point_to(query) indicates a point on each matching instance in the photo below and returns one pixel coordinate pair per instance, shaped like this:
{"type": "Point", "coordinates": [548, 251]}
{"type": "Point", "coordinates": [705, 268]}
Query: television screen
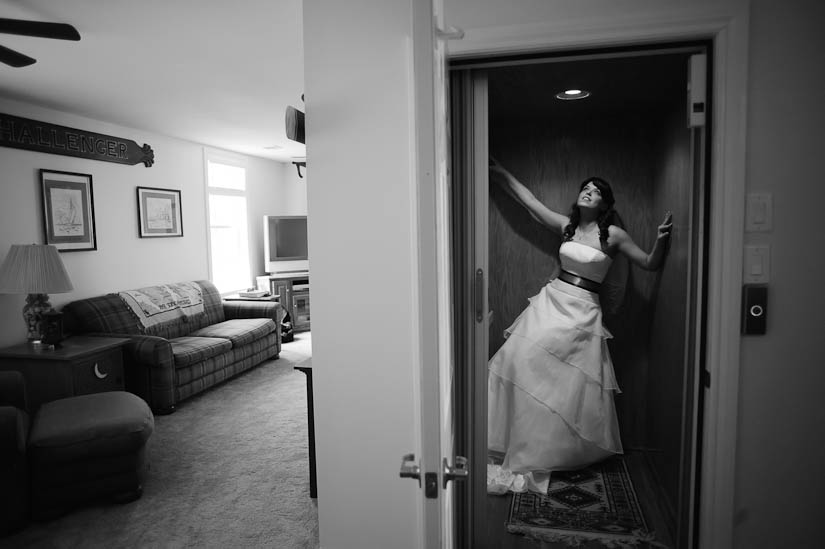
{"type": "Point", "coordinates": [286, 238]}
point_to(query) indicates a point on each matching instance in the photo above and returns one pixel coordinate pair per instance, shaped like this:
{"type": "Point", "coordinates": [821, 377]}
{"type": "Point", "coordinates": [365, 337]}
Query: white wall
{"type": "Point", "coordinates": [781, 446]}
{"type": "Point", "coordinates": [122, 259]}
{"type": "Point", "coordinates": [362, 240]}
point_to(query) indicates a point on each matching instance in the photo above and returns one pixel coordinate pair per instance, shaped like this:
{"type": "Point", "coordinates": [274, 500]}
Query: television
{"type": "Point", "coordinates": [285, 244]}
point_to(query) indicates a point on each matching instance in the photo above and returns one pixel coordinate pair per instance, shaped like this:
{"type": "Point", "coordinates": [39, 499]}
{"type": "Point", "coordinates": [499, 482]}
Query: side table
{"type": "Point", "coordinates": [236, 297]}
{"type": "Point", "coordinates": [79, 366]}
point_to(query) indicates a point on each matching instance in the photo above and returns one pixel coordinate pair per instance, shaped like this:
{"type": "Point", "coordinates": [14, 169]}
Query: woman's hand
{"type": "Point", "coordinates": [655, 258]}
{"type": "Point", "coordinates": [525, 197]}
{"type": "Point", "coordinates": [665, 227]}
{"type": "Point", "coordinates": [497, 168]}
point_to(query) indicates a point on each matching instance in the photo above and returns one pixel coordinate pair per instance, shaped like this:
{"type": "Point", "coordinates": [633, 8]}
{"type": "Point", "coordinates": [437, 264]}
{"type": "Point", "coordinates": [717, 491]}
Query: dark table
{"type": "Point", "coordinates": [306, 368]}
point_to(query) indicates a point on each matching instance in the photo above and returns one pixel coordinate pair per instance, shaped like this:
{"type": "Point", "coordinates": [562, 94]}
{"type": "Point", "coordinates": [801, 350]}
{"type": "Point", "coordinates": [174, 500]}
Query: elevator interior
{"type": "Point", "coordinates": [633, 131]}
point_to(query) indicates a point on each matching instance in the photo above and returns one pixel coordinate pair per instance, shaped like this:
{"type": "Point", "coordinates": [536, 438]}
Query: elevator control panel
{"type": "Point", "coordinates": [754, 309]}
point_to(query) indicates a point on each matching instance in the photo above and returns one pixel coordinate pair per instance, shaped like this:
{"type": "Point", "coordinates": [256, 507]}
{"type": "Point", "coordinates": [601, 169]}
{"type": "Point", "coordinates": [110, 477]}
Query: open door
{"type": "Point", "coordinates": [439, 465]}
{"type": "Point", "coordinates": [664, 307]}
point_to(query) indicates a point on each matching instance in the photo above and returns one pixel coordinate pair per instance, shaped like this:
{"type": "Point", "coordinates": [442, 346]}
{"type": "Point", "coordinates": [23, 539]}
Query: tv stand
{"type": "Point", "coordinates": [293, 289]}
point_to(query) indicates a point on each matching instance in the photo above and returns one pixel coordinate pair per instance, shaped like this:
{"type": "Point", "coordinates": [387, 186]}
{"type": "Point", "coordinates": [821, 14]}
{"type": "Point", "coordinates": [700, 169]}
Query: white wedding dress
{"type": "Point", "coordinates": [551, 384]}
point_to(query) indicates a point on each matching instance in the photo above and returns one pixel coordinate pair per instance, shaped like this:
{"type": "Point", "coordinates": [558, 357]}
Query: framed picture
{"type": "Point", "coordinates": [68, 210]}
{"type": "Point", "coordinates": [159, 212]}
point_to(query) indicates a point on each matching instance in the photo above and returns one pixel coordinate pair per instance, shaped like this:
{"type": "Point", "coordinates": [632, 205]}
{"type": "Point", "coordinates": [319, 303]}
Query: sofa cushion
{"type": "Point", "coordinates": [240, 331]}
{"type": "Point", "coordinates": [190, 350]}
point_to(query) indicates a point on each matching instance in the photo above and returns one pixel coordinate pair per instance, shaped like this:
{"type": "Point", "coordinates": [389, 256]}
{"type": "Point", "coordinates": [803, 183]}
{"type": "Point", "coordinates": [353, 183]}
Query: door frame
{"type": "Point", "coordinates": [427, 64]}
{"type": "Point", "coordinates": [727, 27]}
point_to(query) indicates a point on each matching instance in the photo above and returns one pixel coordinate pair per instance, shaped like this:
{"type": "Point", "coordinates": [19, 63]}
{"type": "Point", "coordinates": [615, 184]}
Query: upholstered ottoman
{"type": "Point", "coordinates": [87, 448]}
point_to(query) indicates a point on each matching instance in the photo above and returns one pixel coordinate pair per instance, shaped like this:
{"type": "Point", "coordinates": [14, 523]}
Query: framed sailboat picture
{"type": "Point", "coordinates": [159, 212]}
{"type": "Point", "coordinates": [68, 210]}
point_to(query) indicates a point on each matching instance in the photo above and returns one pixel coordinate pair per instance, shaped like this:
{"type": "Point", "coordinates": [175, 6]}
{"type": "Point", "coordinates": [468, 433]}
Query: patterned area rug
{"type": "Point", "coordinates": [597, 503]}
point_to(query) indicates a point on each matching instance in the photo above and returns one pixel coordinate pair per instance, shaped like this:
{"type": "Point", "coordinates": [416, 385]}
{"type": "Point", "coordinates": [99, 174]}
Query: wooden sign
{"type": "Point", "coordinates": [33, 135]}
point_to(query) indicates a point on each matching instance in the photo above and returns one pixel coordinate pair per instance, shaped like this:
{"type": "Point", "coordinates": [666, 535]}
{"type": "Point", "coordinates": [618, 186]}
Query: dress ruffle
{"type": "Point", "coordinates": [551, 385]}
{"type": "Point", "coordinates": [500, 481]}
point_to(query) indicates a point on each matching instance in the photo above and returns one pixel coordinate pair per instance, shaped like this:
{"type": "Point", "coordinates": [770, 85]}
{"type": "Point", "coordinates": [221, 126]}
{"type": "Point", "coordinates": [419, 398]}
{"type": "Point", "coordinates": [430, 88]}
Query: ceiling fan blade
{"type": "Point", "coordinates": [15, 59]}
{"type": "Point", "coordinates": [40, 29]}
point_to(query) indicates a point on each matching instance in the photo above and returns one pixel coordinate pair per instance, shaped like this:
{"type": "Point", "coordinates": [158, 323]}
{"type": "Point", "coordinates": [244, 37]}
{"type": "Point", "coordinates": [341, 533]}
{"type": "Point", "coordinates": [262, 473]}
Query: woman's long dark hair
{"type": "Point", "coordinates": [606, 217]}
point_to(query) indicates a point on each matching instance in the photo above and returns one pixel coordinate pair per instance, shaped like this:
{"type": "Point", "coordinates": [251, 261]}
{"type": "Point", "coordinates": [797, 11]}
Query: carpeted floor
{"type": "Point", "coordinates": [228, 469]}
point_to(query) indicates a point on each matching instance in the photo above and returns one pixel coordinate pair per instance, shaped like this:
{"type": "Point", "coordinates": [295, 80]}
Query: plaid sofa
{"type": "Point", "coordinates": [178, 359]}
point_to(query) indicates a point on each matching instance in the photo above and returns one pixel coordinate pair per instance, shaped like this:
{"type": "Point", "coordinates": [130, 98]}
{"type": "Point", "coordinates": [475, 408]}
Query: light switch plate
{"type": "Point", "coordinates": [757, 264]}
{"type": "Point", "coordinates": [759, 212]}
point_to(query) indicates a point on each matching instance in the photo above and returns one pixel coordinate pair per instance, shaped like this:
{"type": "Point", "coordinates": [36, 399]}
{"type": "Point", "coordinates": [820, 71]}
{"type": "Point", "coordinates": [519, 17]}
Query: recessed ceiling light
{"type": "Point", "coordinates": [273, 147]}
{"type": "Point", "coordinates": [567, 95]}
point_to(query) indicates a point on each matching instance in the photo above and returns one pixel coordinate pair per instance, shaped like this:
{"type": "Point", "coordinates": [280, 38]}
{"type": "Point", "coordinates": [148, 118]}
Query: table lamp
{"type": "Point", "coordinates": [36, 270]}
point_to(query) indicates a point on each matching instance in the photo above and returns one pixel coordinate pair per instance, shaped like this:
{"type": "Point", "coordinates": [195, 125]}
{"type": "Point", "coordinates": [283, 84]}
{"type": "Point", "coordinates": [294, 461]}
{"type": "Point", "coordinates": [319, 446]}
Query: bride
{"type": "Point", "coordinates": [551, 384]}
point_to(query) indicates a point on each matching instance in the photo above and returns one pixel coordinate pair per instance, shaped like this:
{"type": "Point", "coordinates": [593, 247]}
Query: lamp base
{"type": "Point", "coordinates": [34, 309]}
{"type": "Point", "coordinates": [40, 346]}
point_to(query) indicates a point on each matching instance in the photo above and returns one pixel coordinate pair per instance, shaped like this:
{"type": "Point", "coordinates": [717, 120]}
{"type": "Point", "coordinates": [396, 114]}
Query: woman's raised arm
{"type": "Point", "coordinates": [522, 194]}
{"type": "Point", "coordinates": [654, 259]}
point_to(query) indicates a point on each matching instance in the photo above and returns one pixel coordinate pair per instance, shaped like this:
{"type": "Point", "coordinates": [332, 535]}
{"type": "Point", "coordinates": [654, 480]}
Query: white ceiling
{"type": "Point", "coordinates": [217, 72]}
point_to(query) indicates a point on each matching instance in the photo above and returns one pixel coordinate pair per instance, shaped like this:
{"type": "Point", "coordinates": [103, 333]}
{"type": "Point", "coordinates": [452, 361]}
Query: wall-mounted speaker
{"type": "Point", "coordinates": [295, 125]}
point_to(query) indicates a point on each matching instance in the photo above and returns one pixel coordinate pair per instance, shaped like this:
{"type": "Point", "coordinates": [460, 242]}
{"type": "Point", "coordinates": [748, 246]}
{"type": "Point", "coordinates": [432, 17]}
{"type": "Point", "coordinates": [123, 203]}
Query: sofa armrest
{"type": "Point", "coordinates": [14, 432]}
{"type": "Point", "coordinates": [14, 421]}
{"type": "Point", "coordinates": [150, 371]}
{"type": "Point", "coordinates": [14, 476]}
{"type": "Point", "coordinates": [253, 309]}
{"type": "Point", "coordinates": [13, 389]}
{"type": "Point", "coordinates": [149, 368]}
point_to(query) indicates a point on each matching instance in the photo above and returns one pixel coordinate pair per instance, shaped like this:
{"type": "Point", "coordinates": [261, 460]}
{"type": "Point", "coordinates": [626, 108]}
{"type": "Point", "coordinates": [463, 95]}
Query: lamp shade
{"type": "Point", "coordinates": [34, 269]}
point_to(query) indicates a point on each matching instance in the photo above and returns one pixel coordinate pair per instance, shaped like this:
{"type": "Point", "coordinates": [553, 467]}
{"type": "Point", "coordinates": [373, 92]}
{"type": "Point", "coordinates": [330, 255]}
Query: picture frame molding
{"type": "Point", "coordinates": [145, 228]}
{"type": "Point", "coordinates": [61, 210]}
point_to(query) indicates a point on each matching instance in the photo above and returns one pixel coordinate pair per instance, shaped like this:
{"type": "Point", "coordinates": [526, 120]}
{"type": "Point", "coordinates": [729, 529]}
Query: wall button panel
{"type": "Point", "coordinates": [754, 309]}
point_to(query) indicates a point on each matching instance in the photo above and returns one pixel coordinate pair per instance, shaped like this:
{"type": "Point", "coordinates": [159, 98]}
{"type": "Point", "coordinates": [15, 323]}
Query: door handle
{"type": "Point", "coordinates": [479, 287]}
{"type": "Point", "coordinates": [459, 472]}
{"type": "Point", "coordinates": [409, 469]}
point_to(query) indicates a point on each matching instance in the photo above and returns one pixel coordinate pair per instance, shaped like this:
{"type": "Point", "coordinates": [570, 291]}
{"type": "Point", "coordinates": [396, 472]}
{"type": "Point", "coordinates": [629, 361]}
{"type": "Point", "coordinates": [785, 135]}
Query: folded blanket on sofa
{"type": "Point", "coordinates": [156, 305]}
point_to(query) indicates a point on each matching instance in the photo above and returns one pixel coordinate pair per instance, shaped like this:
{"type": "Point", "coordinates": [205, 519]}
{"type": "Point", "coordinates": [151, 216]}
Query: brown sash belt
{"type": "Point", "coordinates": [579, 281]}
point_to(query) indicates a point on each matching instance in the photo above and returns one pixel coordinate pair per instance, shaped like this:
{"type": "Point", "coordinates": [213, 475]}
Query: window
{"type": "Point", "coordinates": [228, 228]}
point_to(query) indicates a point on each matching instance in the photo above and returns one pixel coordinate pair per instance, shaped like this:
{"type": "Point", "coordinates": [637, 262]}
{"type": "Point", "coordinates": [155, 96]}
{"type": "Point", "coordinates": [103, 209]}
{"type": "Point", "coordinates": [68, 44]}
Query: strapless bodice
{"type": "Point", "coordinates": [584, 261]}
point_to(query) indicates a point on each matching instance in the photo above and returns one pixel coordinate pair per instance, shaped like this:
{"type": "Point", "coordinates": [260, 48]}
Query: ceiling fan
{"type": "Point", "coordinates": [38, 29]}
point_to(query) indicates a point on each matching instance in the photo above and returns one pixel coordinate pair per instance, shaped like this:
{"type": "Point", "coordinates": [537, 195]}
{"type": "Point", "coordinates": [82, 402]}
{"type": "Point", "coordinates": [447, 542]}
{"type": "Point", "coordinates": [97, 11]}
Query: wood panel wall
{"type": "Point", "coordinates": [634, 152]}
{"type": "Point", "coordinates": [669, 372]}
